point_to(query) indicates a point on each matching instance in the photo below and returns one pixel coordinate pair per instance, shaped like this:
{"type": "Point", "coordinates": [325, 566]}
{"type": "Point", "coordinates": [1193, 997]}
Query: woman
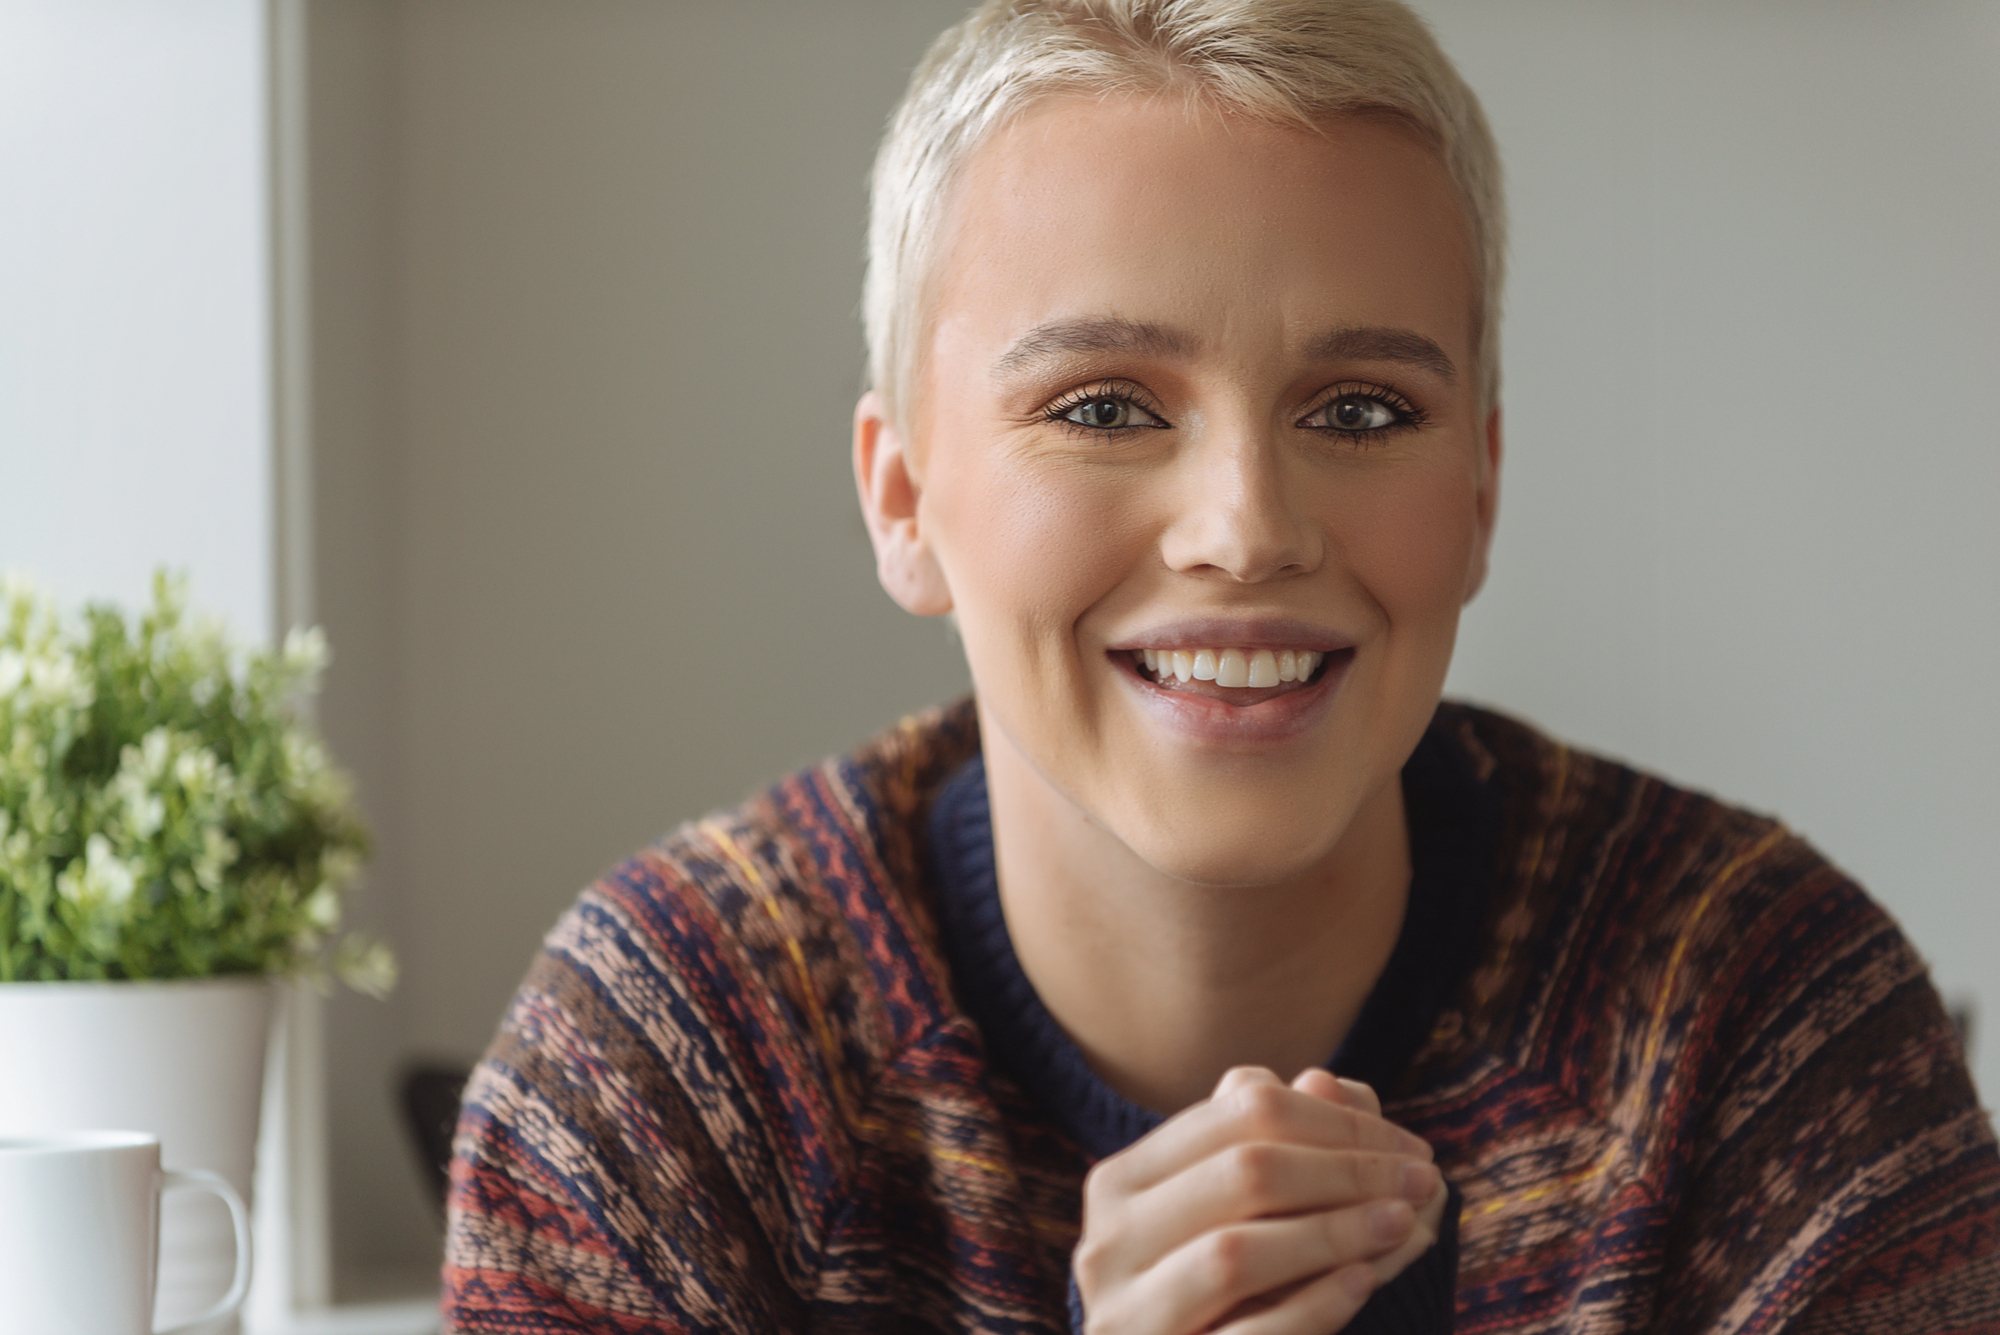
{"type": "Point", "coordinates": [1205, 972]}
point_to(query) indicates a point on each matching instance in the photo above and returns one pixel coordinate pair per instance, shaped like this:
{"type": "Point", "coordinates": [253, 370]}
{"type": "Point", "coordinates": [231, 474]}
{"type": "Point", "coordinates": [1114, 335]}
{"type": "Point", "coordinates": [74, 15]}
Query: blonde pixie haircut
{"type": "Point", "coordinates": [1294, 61]}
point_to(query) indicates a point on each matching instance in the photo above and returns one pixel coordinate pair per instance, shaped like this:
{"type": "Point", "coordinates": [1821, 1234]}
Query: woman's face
{"type": "Point", "coordinates": [1199, 398]}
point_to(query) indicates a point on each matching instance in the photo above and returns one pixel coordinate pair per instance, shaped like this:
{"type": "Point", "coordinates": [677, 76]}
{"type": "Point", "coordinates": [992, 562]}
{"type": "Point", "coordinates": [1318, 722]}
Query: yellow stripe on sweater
{"type": "Point", "coordinates": [829, 1050]}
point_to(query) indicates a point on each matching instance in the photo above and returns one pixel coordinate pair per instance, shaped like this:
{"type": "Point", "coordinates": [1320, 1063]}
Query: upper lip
{"type": "Point", "coordinates": [1237, 633]}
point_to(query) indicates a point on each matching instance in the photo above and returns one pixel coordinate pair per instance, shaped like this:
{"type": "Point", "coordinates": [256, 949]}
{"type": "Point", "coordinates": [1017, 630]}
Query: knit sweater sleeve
{"type": "Point", "coordinates": [617, 1161]}
{"type": "Point", "coordinates": [1813, 1138]}
{"type": "Point", "coordinates": [1840, 1175]}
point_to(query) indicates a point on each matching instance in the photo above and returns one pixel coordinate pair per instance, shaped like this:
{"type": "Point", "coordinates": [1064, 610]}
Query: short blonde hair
{"type": "Point", "coordinates": [1295, 61]}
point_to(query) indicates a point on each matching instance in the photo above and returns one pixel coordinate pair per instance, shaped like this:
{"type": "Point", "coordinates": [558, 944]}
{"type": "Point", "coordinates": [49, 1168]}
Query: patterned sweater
{"type": "Point", "coordinates": [1693, 1080]}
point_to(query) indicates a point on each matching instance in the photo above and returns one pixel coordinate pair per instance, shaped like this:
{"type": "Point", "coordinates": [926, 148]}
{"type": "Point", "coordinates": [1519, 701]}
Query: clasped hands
{"type": "Point", "coordinates": [1265, 1209]}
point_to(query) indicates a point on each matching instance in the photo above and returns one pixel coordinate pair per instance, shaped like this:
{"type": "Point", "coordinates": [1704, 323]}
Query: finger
{"type": "Point", "coordinates": [1262, 1179]}
{"type": "Point", "coordinates": [1256, 1092]}
{"type": "Point", "coordinates": [1430, 1218]}
{"type": "Point", "coordinates": [1363, 1095]}
{"type": "Point", "coordinates": [1245, 1077]}
{"type": "Point", "coordinates": [1321, 1083]}
{"type": "Point", "coordinates": [1337, 1089]}
{"type": "Point", "coordinates": [1430, 1211]}
{"type": "Point", "coordinates": [1240, 1111]}
{"type": "Point", "coordinates": [1391, 1264]}
{"type": "Point", "coordinates": [1321, 1307]}
{"type": "Point", "coordinates": [1215, 1272]}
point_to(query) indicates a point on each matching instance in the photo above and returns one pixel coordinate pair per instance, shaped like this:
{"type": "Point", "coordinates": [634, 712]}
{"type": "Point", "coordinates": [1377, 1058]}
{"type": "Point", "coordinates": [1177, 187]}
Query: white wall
{"type": "Point", "coordinates": [134, 297]}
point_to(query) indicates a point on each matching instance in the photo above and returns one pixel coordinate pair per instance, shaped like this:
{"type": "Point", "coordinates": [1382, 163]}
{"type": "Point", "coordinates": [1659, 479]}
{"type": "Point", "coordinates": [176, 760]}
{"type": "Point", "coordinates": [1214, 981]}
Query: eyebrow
{"type": "Point", "coordinates": [1060, 339]}
{"type": "Point", "coordinates": [1103, 333]}
{"type": "Point", "coordinates": [1379, 343]}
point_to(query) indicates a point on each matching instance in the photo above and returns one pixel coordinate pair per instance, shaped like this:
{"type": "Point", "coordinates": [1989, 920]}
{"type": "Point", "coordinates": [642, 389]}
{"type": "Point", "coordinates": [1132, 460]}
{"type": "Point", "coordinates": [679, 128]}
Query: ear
{"type": "Point", "coordinates": [1486, 502]}
{"type": "Point", "coordinates": [891, 494]}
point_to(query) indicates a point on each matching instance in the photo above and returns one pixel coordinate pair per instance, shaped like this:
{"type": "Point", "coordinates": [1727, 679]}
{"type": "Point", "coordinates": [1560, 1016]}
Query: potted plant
{"type": "Point", "coordinates": [172, 838]}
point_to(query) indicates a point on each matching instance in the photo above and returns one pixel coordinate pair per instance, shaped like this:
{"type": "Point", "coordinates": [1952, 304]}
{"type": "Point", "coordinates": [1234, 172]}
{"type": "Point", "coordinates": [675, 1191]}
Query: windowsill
{"type": "Point", "coordinates": [405, 1316]}
{"type": "Point", "coordinates": [387, 1300]}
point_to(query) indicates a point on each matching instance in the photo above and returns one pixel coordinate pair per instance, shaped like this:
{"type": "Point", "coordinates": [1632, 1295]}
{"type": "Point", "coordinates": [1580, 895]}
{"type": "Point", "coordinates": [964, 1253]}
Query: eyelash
{"type": "Point", "coordinates": [1408, 415]}
{"type": "Point", "coordinates": [1058, 412]}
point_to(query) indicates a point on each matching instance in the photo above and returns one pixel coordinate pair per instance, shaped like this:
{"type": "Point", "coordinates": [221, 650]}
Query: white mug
{"type": "Point", "coordinates": [80, 1233]}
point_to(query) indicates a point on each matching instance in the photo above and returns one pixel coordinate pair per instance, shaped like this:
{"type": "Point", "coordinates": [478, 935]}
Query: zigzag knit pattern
{"type": "Point", "coordinates": [1697, 1082]}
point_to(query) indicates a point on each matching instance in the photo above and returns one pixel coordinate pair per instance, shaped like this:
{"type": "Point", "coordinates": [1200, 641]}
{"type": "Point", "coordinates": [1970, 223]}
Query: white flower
{"type": "Point", "coordinates": [154, 750]}
{"type": "Point", "coordinates": [366, 966]}
{"type": "Point", "coordinates": [338, 866]}
{"type": "Point", "coordinates": [109, 871]}
{"type": "Point", "coordinates": [304, 756]}
{"type": "Point", "coordinates": [106, 878]}
{"type": "Point", "coordinates": [190, 771]}
{"type": "Point", "coordinates": [305, 653]}
{"type": "Point", "coordinates": [45, 678]}
{"type": "Point", "coordinates": [323, 907]}
{"type": "Point", "coordinates": [142, 809]}
{"type": "Point", "coordinates": [200, 773]}
{"type": "Point", "coordinates": [218, 854]}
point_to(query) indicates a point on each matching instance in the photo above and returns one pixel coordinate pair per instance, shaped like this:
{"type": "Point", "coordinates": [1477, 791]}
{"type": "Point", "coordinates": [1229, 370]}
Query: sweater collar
{"type": "Point", "coordinates": [1454, 826]}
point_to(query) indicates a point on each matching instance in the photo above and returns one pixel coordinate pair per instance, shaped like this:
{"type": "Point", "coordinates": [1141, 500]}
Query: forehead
{"type": "Point", "coordinates": [1231, 231]}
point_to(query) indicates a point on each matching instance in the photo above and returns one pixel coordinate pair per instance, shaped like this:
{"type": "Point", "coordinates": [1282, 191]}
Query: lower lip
{"type": "Point", "coordinates": [1215, 722]}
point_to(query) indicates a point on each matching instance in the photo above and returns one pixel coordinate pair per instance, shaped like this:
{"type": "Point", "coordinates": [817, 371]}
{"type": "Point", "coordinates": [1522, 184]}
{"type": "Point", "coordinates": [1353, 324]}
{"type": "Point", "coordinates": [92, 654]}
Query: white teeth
{"type": "Point", "coordinates": [1254, 668]}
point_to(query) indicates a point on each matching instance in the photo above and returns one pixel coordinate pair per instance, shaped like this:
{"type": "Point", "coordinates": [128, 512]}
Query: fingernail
{"type": "Point", "coordinates": [1420, 1182]}
{"type": "Point", "coordinates": [1389, 1221]}
{"type": "Point", "coordinates": [1359, 1281]}
{"type": "Point", "coordinates": [1354, 1087]}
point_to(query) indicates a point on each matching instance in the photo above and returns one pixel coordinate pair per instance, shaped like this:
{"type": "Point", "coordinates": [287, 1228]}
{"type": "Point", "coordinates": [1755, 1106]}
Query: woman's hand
{"type": "Point", "coordinates": [1266, 1209]}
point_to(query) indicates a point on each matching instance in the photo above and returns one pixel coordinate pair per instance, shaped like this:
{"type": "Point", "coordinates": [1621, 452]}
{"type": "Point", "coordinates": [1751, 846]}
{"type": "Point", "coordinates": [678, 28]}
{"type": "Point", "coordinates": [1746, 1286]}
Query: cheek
{"type": "Point", "coordinates": [1027, 550]}
{"type": "Point", "coordinates": [1410, 543]}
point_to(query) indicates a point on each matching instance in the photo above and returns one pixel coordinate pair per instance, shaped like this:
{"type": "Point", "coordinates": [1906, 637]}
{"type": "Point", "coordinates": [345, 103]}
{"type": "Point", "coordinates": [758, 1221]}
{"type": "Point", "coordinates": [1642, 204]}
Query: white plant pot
{"type": "Point", "coordinates": [183, 1060]}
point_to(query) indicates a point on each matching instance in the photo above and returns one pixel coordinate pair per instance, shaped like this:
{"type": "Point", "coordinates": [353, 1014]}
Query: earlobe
{"type": "Point", "coordinates": [891, 503]}
{"type": "Point", "coordinates": [1487, 503]}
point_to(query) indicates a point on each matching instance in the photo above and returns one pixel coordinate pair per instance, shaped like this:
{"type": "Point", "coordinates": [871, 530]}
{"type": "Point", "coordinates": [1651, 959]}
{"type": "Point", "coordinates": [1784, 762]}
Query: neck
{"type": "Point", "coordinates": [1165, 984]}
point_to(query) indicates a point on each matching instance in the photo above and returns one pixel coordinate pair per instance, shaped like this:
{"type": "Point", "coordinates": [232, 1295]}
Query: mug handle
{"type": "Point", "coordinates": [201, 1179]}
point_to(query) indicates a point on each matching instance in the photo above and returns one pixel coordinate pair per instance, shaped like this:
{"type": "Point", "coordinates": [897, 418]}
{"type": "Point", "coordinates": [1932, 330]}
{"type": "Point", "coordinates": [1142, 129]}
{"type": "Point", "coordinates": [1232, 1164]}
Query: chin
{"type": "Point", "coordinates": [1229, 850]}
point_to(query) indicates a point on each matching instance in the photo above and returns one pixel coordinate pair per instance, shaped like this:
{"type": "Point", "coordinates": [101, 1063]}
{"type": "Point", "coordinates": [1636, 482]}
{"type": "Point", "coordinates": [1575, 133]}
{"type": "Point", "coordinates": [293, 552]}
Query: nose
{"type": "Point", "coordinates": [1236, 516]}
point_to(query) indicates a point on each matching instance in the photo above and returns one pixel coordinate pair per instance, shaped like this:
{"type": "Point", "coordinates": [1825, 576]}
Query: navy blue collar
{"type": "Point", "coordinates": [1454, 832]}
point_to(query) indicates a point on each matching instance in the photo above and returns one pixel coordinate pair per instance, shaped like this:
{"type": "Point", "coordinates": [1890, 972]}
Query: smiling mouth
{"type": "Point", "coordinates": [1235, 676]}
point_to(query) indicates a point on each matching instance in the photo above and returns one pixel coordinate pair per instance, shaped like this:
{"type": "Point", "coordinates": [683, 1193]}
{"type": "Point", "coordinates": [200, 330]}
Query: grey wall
{"type": "Point", "coordinates": [588, 556]}
{"type": "Point", "coordinates": [1748, 529]}
{"type": "Point", "coordinates": [585, 276]}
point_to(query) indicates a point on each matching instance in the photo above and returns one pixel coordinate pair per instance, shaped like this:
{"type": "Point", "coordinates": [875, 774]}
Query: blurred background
{"type": "Point", "coordinates": [515, 341]}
